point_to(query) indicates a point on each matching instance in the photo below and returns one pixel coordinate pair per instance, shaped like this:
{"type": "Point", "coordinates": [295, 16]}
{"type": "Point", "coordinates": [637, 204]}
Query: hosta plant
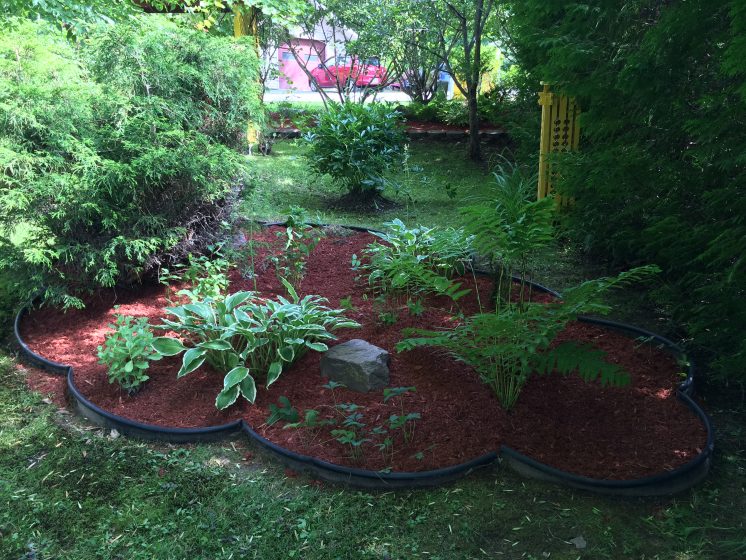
{"type": "Point", "coordinates": [416, 261]}
{"type": "Point", "coordinates": [128, 351]}
{"type": "Point", "coordinates": [247, 337]}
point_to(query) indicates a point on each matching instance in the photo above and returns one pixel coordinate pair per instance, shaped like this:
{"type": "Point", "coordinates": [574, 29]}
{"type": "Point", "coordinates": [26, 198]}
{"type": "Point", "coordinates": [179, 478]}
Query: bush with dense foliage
{"type": "Point", "coordinates": [112, 158]}
{"type": "Point", "coordinates": [511, 339]}
{"type": "Point", "coordinates": [200, 82]}
{"type": "Point", "coordinates": [660, 175]}
{"type": "Point", "coordinates": [356, 145]}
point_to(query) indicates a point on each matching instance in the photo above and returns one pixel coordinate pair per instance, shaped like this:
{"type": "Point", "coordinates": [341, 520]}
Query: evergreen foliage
{"type": "Point", "coordinates": [356, 145]}
{"type": "Point", "coordinates": [660, 175]}
{"type": "Point", "coordinates": [113, 158]}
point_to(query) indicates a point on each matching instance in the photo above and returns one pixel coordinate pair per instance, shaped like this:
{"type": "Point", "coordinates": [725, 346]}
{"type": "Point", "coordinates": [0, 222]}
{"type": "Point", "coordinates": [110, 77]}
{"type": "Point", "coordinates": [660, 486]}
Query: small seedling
{"type": "Point", "coordinates": [388, 318]}
{"type": "Point", "coordinates": [356, 262]}
{"type": "Point", "coordinates": [416, 308]}
{"type": "Point", "coordinates": [333, 385]}
{"type": "Point", "coordinates": [285, 412]}
{"type": "Point", "coordinates": [392, 392]}
{"type": "Point", "coordinates": [312, 420]}
{"type": "Point", "coordinates": [346, 303]}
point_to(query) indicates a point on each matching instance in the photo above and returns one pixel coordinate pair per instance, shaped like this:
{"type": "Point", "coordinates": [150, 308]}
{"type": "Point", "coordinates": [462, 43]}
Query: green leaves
{"type": "Point", "coordinates": [508, 346]}
{"type": "Point", "coordinates": [128, 351]}
{"type": "Point", "coordinates": [193, 358]}
{"type": "Point", "coordinates": [237, 381]}
{"type": "Point", "coordinates": [227, 397]}
{"type": "Point", "coordinates": [167, 346]}
{"type": "Point", "coordinates": [356, 144]}
{"type": "Point", "coordinates": [243, 336]}
{"type": "Point", "coordinates": [417, 261]}
{"type": "Point", "coordinates": [122, 139]}
{"type": "Point", "coordinates": [586, 360]}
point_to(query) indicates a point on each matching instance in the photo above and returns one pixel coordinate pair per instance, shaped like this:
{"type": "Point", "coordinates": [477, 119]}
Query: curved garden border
{"type": "Point", "coordinates": [664, 483]}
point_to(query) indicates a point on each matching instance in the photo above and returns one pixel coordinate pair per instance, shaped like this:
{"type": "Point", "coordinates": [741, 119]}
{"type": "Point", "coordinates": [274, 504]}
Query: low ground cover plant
{"type": "Point", "coordinates": [127, 352]}
{"type": "Point", "coordinates": [512, 340]}
{"type": "Point", "coordinates": [247, 338]}
{"type": "Point", "coordinates": [414, 262]}
{"type": "Point", "coordinates": [356, 145]}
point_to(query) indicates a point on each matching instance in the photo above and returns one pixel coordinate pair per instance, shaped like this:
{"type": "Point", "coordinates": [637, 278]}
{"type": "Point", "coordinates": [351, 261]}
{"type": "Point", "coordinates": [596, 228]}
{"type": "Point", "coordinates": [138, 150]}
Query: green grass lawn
{"type": "Point", "coordinates": [435, 182]}
{"type": "Point", "coordinates": [71, 491]}
{"type": "Point", "coordinates": [67, 491]}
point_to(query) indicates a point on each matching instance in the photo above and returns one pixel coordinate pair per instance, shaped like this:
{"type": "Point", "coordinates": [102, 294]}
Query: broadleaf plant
{"type": "Point", "coordinates": [245, 336]}
{"type": "Point", "coordinates": [128, 351]}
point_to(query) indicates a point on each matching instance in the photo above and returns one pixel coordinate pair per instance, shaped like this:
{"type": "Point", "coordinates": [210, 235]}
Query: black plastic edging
{"type": "Point", "coordinates": [665, 483]}
{"type": "Point", "coordinates": [366, 478]}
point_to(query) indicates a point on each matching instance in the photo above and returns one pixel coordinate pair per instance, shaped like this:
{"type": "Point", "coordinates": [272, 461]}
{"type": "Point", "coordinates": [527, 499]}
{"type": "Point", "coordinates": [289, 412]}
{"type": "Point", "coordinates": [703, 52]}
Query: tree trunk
{"type": "Point", "coordinates": [475, 149]}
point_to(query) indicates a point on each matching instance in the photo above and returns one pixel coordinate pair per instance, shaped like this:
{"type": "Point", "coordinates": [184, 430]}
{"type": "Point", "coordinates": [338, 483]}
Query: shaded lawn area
{"type": "Point", "coordinates": [434, 183]}
{"type": "Point", "coordinates": [68, 491]}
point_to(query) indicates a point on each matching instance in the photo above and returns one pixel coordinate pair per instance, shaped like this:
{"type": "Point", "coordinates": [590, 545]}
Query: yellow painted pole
{"type": "Point", "coordinates": [545, 100]}
{"type": "Point", "coordinates": [246, 24]}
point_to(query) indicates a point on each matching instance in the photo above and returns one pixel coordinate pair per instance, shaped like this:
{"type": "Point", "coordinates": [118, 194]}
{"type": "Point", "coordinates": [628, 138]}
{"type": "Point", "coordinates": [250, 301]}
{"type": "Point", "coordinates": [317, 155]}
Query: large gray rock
{"type": "Point", "coordinates": [360, 365]}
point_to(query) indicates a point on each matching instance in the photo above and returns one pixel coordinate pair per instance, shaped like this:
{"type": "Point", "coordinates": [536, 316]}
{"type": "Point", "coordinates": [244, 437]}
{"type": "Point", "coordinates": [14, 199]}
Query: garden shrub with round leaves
{"type": "Point", "coordinates": [357, 145]}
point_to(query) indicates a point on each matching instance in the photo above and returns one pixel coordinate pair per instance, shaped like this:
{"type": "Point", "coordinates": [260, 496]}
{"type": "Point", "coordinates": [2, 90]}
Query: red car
{"type": "Point", "coordinates": [344, 69]}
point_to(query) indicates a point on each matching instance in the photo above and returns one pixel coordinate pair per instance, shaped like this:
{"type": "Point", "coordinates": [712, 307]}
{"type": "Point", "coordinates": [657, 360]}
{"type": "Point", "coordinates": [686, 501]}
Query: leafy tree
{"type": "Point", "coordinates": [460, 26]}
{"type": "Point", "coordinates": [359, 31]}
{"type": "Point", "coordinates": [660, 175]}
{"type": "Point", "coordinates": [76, 18]}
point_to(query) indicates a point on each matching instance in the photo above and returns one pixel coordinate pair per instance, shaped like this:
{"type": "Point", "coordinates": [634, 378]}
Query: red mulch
{"type": "Point", "coordinates": [583, 428]}
{"type": "Point", "coordinates": [428, 126]}
{"type": "Point", "coordinates": [286, 124]}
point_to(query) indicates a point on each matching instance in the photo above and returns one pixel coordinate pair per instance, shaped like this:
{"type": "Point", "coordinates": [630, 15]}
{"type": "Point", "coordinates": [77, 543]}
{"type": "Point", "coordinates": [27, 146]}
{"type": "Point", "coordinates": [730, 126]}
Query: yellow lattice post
{"type": "Point", "coordinates": [560, 132]}
{"type": "Point", "coordinates": [245, 23]}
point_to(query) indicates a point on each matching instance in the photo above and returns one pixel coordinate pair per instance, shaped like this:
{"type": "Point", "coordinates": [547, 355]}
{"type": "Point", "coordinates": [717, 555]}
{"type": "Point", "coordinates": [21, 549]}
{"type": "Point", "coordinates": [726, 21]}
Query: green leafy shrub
{"type": "Point", "coordinates": [356, 145]}
{"type": "Point", "coordinates": [660, 172]}
{"type": "Point", "coordinates": [300, 239]}
{"type": "Point", "coordinates": [508, 344]}
{"type": "Point", "coordinates": [201, 82]}
{"type": "Point", "coordinates": [244, 336]}
{"type": "Point", "coordinates": [127, 352]}
{"type": "Point", "coordinates": [101, 182]}
{"type": "Point", "coordinates": [416, 261]}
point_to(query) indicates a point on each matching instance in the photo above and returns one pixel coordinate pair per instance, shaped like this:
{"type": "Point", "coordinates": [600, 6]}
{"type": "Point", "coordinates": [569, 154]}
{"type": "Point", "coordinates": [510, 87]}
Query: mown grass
{"type": "Point", "coordinates": [434, 183]}
{"type": "Point", "coordinates": [70, 491]}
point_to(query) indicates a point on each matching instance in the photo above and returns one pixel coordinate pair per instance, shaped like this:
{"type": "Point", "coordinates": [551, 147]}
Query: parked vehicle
{"type": "Point", "coordinates": [348, 70]}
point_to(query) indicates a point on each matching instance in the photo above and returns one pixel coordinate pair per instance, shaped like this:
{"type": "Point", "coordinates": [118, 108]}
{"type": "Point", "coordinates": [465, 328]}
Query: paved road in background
{"type": "Point", "coordinates": [315, 97]}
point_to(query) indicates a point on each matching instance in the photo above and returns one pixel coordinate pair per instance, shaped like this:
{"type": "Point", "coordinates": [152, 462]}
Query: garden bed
{"type": "Point", "coordinates": [284, 126]}
{"type": "Point", "coordinates": [613, 433]}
